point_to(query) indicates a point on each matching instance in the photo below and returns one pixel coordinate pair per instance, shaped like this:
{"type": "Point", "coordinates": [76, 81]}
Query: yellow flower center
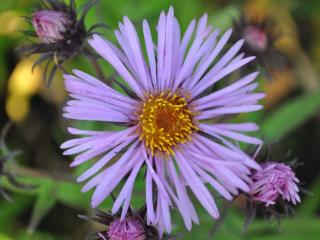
{"type": "Point", "coordinates": [165, 121]}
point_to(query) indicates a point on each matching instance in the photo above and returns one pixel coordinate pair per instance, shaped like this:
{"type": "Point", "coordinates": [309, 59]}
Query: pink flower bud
{"type": "Point", "coordinates": [50, 25]}
{"type": "Point", "coordinates": [256, 38]}
{"type": "Point", "coordinates": [128, 229]}
{"type": "Point", "coordinates": [274, 181]}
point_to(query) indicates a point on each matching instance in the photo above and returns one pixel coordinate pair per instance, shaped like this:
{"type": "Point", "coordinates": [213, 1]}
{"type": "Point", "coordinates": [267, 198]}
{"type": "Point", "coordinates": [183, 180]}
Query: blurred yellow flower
{"type": "Point", "coordinates": [17, 107]}
{"type": "Point", "coordinates": [11, 22]}
{"type": "Point", "coordinates": [23, 81]}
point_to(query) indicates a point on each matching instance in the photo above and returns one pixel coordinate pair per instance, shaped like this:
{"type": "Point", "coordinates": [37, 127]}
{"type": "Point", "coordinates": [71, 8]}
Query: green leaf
{"type": "Point", "coordinates": [45, 202]}
{"type": "Point", "coordinates": [70, 194]}
{"type": "Point", "coordinates": [5, 237]}
{"type": "Point", "coordinates": [311, 203]}
{"type": "Point", "coordinates": [23, 235]}
{"type": "Point", "coordinates": [290, 116]}
{"type": "Point", "coordinates": [10, 211]}
{"type": "Point", "coordinates": [293, 229]}
{"type": "Point", "coordinates": [224, 18]}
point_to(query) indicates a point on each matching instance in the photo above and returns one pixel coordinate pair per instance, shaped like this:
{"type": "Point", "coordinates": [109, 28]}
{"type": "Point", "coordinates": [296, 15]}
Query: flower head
{"type": "Point", "coordinates": [132, 227]}
{"type": "Point", "coordinates": [50, 25]}
{"type": "Point", "coordinates": [62, 34]}
{"type": "Point", "coordinates": [166, 118]}
{"type": "Point", "coordinates": [273, 182]}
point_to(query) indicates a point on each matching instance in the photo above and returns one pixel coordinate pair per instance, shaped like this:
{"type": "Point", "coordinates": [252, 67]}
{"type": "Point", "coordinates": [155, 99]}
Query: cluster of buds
{"type": "Point", "coordinates": [61, 32]}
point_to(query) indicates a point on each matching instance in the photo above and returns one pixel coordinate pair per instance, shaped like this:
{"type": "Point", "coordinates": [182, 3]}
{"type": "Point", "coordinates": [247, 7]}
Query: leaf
{"type": "Point", "coordinates": [23, 235]}
{"type": "Point", "coordinates": [4, 237]}
{"type": "Point", "coordinates": [70, 194]}
{"type": "Point", "coordinates": [290, 116]}
{"type": "Point", "coordinates": [311, 203]}
{"type": "Point", "coordinates": [10, 211]}
{"type": "Point", "coordinates": [293, 229]}
{"type": "Point", "coordinates": [224, 18]}
{"type": "Point", "coordinates": [44, 203]}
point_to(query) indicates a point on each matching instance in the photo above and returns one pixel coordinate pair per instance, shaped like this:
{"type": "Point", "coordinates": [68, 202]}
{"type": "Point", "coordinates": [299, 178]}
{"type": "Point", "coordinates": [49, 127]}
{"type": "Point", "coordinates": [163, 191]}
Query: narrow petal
{"type": "Point", "coordinates": [102, 48]}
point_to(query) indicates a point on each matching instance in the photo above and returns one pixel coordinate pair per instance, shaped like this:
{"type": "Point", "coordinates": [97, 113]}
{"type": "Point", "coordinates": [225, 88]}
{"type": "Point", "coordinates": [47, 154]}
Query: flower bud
{"type": "Point", "coordinates": [273, 182]}
{"type": "Point", "coordinates": [50, 25]}
{"type": "Point", "coordinates": [128, 229]}
{"type": "Point", "coordinates": [256, 38]}
{"type": "Point", "coordinates": [133, 226]}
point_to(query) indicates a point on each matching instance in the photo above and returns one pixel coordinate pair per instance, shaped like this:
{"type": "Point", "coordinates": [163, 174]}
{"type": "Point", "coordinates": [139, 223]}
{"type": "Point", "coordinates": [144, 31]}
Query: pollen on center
{"type": "Point", "coordinates": [165, 121]}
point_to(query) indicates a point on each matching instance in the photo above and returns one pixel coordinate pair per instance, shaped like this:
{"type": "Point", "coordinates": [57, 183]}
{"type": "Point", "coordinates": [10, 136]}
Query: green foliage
{"type": "Point", "coordinates": [223, 19]}
{"type": "Point", "coordinates": [290, 116]}
{"type": "Point", "coordinates": [294, 229]}
{"type": "Point", "coordinates": [311, 203]}
{"type": "Point", "coordinates": [46, 200]}
{"type": "Point", "coordinates": [9, 212]}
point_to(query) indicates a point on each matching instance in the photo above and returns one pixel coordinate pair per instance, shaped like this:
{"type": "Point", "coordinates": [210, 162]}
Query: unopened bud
{"type": "Point", "coordinates": [50, 25]}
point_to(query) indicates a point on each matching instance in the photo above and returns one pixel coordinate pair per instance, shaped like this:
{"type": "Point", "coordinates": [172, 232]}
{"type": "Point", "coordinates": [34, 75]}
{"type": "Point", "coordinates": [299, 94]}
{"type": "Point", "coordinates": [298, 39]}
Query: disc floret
{"type": "Point", "coordinates": [165, 121]}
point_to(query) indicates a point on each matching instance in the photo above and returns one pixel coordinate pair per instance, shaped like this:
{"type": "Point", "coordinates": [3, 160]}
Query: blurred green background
{"type": "Point", "coordinates": [291, 118]}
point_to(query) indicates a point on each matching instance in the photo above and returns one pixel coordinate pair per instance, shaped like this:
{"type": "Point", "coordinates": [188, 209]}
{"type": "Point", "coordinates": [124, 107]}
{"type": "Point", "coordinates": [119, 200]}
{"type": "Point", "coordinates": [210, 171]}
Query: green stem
{"type": "Point", "coordinates": [100, 73]}
{"type": "Point", "coordinates": [219, 222]}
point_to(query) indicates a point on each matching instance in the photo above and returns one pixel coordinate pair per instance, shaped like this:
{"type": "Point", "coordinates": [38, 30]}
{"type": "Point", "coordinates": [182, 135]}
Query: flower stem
{"type": "Point", "coordinates": [215, 228]}
{"type": "Point", "coordinates": [37, 173]}
{"type": "Point", "coordinates": [100, 73]}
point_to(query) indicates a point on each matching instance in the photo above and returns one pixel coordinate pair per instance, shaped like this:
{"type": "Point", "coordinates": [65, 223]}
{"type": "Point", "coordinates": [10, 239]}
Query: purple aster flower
{"type": "Point", "coordinates": [165, 117]}
{"type": "Point", "coordinates": [273, 182]}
